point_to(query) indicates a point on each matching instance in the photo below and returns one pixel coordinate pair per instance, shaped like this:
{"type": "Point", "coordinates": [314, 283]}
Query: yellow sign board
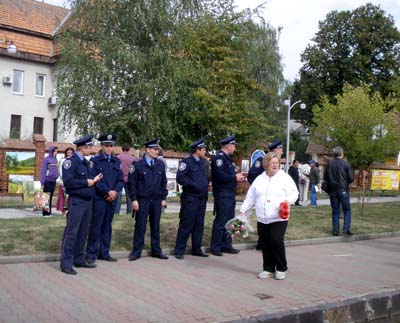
{"type": "Point", "coordinates": [384, 179]}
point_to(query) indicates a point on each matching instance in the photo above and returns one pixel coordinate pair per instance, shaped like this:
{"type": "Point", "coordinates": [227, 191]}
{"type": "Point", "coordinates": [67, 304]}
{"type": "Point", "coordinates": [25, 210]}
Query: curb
{"type": "Point", "coordinates": [367, 308]}
{"type": "Point", "coordinates": [242, 246]}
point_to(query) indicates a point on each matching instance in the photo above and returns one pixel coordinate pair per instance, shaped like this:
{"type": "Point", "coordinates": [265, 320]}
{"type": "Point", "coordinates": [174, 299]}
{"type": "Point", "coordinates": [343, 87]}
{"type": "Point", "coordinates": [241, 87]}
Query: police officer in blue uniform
{"type": "Point", "coordinates": [192, 175]}
{"type": "Point", "coordinates": [257, 168]}
{"type": "Point", "coordinates": [79, 185]}
{"type": "Point", "coordinates": [147, 182]}
{"type": "Point", "coordinates": [105, 197]}
{"type": "Point", "coordinates": [224, 180]}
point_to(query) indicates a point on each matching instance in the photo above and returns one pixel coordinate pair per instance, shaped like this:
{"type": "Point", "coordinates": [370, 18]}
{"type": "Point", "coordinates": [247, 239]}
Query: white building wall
{"type": "Point", "coordinates": [27, 105]}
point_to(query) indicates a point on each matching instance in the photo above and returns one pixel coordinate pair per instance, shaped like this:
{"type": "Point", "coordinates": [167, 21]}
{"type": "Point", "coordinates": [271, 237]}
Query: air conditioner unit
{"type": "Point", "coordinates": [52, 100]}
{"type": "Point", "coordinates": [7, 79]}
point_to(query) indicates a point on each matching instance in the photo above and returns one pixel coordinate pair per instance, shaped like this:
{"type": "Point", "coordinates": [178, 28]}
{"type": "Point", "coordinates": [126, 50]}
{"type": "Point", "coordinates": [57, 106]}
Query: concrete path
{"type": "Point", "coordinates": [214, 289]}
{"type": "Point", "coordinates": [172, 207]}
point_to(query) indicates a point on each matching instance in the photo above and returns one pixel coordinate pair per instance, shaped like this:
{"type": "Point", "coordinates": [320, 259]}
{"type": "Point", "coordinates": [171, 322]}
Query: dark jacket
{"type": "Point", "coordinates": [314, 176]}
{"type": "Point", "coordinates": [294, 174]}
{"type": "Point", "coordinates": [338, 174]}
{"type": "Point", "coordinates": [147, 182]}
{"type": "Point", "coordinates": [113, 179]}
{"type": "Point", "coordinates": [223, 173]}
{"type": "Point", "coordinates": [255, 170]}
{"type": "Point", "coordinates": [192, 175]}
{"type": "Point", "coordinates": [75, 175]}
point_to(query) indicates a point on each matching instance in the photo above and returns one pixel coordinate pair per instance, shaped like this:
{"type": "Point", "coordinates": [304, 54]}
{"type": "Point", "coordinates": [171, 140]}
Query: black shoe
{"type": "Point", "coordinates": [133, 258]}
{"type": "Point", "coordinates": [200, 254]}
{"type": "Point", "coordinates": [335, 234]}
{"type": "Point", "coordinates": [179, 257]}
{"type": "Point", "coordinates": [69, 271]}
{"type": "Point", "coordinates": [90, 261]}
{"type": "Point", "coordinates": [233, 251]}
{"type": "Point", "coordinates": [86, 264]}
{"type": "Point", "coordinates": [348, 233]}
{"type": "Point", "coordinates": [109, 258]}
{"type": "Point", "coordinates": [162, 256]}
{"type": "Point", "coordinates": [216, 253]}
{"type": "Point", "coordinates": [258, 247]}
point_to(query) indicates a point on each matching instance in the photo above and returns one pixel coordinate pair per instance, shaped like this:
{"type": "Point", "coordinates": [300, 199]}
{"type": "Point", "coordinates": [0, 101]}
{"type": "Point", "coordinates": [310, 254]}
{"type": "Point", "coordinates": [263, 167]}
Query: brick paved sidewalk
{"type": "Point", "coordinates": [214, 289]}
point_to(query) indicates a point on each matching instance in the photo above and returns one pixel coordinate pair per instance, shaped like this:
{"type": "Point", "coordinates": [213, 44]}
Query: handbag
{"type": "Point", "coordinates": [41, 201]}
{"type": "Point", "coordinates": [325, 187]}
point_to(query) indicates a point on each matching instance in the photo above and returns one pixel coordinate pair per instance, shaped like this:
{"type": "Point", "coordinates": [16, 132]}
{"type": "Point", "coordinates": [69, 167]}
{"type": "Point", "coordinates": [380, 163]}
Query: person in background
{"type": "Point", "coordinates": [106, 193]}
{"type": "Point", "coordinates": [304, 181]}
{"type": "Point", "coordinates": [266, 194]}
{"type": "Point", "coordinates": [192, 175]}
{"type": "Point", "coordinates": [224, 181]}
{"type": "Point", "coordinates": [62, 198]}
{"type": "Point", "coordinates": [126, 161]}
{"type": "Point", "coordinates": [148, 190]}
{"type": "Point", "coordinates": [314, 182]}
{"type": "Point", "coordinates": [49, 175]}
{"type": "Point", "coordinates": [294, 174]}
{"type": "Point", "coordinates": [339, 175]}
{"type": "Point", "coordinates": [79, 185]}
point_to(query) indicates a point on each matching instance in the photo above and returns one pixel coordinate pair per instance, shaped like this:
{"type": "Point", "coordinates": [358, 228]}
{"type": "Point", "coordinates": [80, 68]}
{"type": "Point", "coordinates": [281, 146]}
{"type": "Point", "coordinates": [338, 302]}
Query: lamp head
{"type": "Point", "coordinates": [287, 102]}
{"type": "Point", "coordinates": [302, 106]}
{"type": "Point", "coordinates": [11, 48]}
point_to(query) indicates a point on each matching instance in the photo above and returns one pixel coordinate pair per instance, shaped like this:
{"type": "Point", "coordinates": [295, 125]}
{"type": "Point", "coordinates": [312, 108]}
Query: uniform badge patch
{"type": "Point", "coordinates": [219, 162]}
{"type": "Point", "coordinates": [257, 164]}
{"type": "Point", "coordinates": [182, 166]}
{"type": "Point", "coordinates": [67, 164]}
{"type": "Point", "coordinates": [132, 169]}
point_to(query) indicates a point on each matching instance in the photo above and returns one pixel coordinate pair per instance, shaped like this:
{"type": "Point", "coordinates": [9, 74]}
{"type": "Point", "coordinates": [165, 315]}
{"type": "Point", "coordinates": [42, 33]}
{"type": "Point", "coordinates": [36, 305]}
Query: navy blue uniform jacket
{"type": "Point", "coordinates": [75, 175]}
{"type": "Point", "coordinates": [192, 175]}
{"type": "Point", "coordinates": [113, 179]}
{"type": "Point", "coordinates": [147, 182]}
{"type": "Point", "coordinates": [223, 173]}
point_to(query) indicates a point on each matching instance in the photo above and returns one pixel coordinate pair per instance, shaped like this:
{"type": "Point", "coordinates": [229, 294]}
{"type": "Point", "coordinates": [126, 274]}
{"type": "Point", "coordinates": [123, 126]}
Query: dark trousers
{"type": "Point", "coordinates": [49, 187]}
{"type": "Point", "coordinates": [151, 209]}
{"type": "Point", "coordinates": [191, 221]}
{"type": "Point", "coordinates": [76, 231]}
{"type": "Point", "coordinates": [224, 211]}
{"type": "Point", "coordinates": [338, 198]}
{"type": "Point", "coordinates": [100, 233]}
{"type": "Point", "coordinates": [273, 246]}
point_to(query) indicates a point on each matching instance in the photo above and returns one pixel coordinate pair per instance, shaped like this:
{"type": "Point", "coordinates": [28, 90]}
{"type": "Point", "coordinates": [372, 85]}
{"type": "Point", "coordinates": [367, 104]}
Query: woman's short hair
{"type": "Point", "coordinates": [268, 157]}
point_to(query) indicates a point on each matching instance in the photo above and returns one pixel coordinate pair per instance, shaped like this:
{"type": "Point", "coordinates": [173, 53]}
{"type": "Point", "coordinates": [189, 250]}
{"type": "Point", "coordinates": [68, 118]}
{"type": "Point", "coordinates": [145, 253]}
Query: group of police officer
{"type": "Point", "coordinates": [93, 187]}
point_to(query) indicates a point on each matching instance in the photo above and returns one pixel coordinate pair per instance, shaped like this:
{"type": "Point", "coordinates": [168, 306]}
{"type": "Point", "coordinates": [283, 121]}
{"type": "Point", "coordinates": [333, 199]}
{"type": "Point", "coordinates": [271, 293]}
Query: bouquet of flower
{"type": "Point", "coordinates": [237, 228]}
{"type": "Point", "coordinates": [284, 210]}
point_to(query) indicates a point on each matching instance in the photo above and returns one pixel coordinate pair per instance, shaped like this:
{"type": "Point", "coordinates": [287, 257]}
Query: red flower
{"type": "Point", "coordinates": [284, 211]}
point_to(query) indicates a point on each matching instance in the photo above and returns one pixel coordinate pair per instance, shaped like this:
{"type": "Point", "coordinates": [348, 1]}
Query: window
{"type": "Point", "coordinates": [55, 129]}
{"type": "Point", "coordinates": [18, 81]}
{"type": "Point", "coordinates": [40, 84]}
{"type": "Point", "coordinates": [38, 125]}
{"type": "Point", "coordinates": [15, 126]}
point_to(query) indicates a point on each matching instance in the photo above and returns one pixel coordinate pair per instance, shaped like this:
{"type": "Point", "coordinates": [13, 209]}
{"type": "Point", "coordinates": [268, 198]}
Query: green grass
{"type": "Point", "coordinates": [43, 235]}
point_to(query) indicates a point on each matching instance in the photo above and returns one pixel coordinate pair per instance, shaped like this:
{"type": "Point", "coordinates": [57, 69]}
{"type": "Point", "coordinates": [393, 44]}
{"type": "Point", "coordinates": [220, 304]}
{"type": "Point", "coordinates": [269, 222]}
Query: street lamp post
{"type": "Point", "coordinates": [302, 106]}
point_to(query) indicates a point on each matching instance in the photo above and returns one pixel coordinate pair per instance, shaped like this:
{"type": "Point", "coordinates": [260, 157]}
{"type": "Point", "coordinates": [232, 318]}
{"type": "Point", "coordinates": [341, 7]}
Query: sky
{"type": "Point", "coordinates": [299, 22]}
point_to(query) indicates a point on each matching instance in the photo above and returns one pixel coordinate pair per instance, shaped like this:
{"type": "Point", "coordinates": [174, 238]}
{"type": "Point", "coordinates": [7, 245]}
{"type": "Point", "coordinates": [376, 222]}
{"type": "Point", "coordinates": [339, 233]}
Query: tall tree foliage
{"type": "Point", "coordinates": [174, 69]}
{"type": "Point", "coordinates": [358, 123]}
{"type": "Point", "coordinates": [354, 47]}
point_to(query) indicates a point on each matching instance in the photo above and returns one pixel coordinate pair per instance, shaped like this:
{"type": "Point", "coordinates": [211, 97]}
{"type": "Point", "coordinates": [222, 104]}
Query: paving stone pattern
{"type": "Point", "coordinates": [214, 289]}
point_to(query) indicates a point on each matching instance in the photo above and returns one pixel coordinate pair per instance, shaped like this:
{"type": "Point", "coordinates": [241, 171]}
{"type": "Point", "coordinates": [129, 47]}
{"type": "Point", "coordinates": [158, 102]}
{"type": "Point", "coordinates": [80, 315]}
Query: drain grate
{"type": "Point", "coordinates": [263, 296]}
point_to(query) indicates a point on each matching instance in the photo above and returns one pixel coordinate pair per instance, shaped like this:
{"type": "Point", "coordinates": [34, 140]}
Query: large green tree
{"type": "Point", "coordinates": [359, 123]}
{"type": "Point", "coordinates": [354, 47]}
{"type": "Point", "coordinates": [174, 69]}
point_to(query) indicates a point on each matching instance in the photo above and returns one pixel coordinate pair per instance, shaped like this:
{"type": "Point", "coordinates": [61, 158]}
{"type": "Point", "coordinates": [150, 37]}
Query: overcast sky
{"type": "Point", "coordinates": [299, 22]}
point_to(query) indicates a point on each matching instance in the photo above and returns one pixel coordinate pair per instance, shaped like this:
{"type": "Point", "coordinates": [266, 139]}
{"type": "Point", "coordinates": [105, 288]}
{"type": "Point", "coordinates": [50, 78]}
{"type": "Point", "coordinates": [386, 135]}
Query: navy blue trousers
{"type": "Point", "coordinates": [191, 221]}
{"type": "Point", "coordinates": [100, 233]}
{"type": "Point", "coordinates": [152, 210]}
{"type": "Point", "coordinates": [224, 211]}
{"type": "Point", "coordinates": [75, 232]}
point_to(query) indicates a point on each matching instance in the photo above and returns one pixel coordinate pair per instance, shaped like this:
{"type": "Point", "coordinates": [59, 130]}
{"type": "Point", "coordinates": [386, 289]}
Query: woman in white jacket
{"type": "Point", "coordinates": [265, 194]}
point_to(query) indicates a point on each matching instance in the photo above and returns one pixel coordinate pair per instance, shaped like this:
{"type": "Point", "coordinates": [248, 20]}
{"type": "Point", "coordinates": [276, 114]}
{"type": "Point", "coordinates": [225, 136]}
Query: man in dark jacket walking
{"type": "Point", "coordinates": [339, 175]}
{"type": "Point", "coordinates": [294, 174]}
